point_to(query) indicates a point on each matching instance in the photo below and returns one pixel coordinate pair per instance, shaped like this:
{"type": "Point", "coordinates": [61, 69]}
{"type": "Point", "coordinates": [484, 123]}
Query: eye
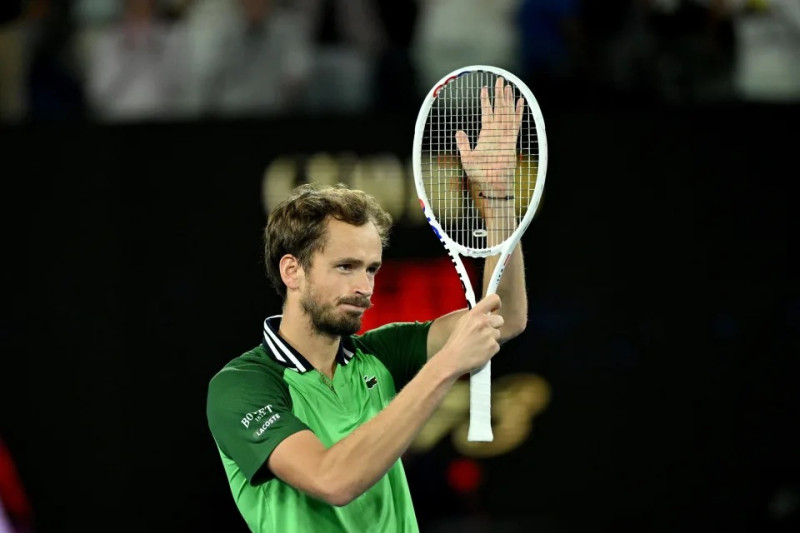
{"type": "Point", "coordinates": [373, 270]}
{"type": "Point", "coordinates": [345, 267]}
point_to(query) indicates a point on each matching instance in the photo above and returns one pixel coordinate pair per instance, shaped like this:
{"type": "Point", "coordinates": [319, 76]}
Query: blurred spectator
{"type": "Point", "coordinates": [551, 37]}
{"type": "Point", "coordinates": [98, 12]}
{"type": "Point", "coordinates": [694, 50]}
{"type": "Point", "coordinates": [768, 49]}
{"type": "Point", "coordinates": [13, 97]}
{"type": "Point", "coordinates": [349, 38]}
{"type": "Point", "coordinates": [395, 77]}
{"type": "Point", "coordinates": [16, 515]}
{"type": "Point", "coordinates": [615, 47]}
{"type": "Point", "coordinates": [136, 66]}
{"type": "Point", "coordinates": [248, 57]}
{"type": "Point", "coordinates": [54, 88]}
{"type": "Point", "coordinates": [450, 34]}
{"type": "Point", "coordinates": [93, 13]}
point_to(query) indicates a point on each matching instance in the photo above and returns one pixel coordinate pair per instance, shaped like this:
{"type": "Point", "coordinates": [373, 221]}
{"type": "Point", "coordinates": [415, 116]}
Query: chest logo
{"type": "Point", "coordinates": [370, 381]}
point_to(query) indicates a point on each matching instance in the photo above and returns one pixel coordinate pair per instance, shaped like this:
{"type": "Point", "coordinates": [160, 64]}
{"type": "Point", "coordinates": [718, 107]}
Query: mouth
{"type": "Point", "coordinates": [352, 307]}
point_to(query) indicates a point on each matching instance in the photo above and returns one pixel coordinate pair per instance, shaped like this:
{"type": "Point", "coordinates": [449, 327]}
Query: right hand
{"type": "Point", "coordinates": [474, 339]}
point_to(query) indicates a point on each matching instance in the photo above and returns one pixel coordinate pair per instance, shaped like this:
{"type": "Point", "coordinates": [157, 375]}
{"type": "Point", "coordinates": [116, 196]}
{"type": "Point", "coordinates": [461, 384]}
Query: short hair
{"type": "Point", "coordinates": [297, 225]}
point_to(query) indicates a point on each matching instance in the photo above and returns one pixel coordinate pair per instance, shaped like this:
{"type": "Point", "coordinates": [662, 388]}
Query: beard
{"type": "Point", "coordinates": [326, 319]}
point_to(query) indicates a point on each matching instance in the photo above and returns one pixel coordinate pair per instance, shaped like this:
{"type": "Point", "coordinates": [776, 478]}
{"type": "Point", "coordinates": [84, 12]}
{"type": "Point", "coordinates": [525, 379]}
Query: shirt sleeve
{"type": "Point", "coordinates": [249, 412]}
{"type": "Point", "coordinates": [401, 346]}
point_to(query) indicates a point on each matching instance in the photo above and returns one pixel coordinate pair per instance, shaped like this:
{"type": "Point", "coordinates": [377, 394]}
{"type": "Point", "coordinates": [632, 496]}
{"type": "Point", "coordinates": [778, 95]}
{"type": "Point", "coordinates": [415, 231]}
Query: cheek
{"type": "Point", "coordinates": [322, 288]}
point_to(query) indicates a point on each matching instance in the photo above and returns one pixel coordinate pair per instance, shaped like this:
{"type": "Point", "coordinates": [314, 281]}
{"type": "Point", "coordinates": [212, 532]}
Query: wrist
{"type": "Point", "coordinates": [442, 369]}
{"type": "Point", "coordinates": [493, 196]}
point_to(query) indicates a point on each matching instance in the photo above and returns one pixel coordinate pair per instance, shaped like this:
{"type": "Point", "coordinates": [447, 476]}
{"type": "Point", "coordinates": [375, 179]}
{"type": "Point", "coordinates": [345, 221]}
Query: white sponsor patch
{"type": "Point", "coordinates": [257, 415]}
{"type": "Point", "coordinates": [267, 423]}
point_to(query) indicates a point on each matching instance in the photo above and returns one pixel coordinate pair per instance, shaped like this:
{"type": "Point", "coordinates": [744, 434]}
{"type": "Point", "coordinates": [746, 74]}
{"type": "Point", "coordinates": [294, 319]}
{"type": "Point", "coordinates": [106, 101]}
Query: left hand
{"type": "Point", "coordinates": [493, 161]}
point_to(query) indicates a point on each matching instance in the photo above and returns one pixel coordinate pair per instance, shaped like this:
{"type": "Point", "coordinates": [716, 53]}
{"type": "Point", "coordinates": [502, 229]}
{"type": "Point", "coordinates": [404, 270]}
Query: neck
{"type": "Point", "coordinates": [318, 349]}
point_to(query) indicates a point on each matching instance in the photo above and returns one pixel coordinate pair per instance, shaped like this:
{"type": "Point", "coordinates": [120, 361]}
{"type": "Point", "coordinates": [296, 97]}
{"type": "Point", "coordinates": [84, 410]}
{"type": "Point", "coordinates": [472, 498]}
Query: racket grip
{"type": "Point", "coordinates": [480, 405]}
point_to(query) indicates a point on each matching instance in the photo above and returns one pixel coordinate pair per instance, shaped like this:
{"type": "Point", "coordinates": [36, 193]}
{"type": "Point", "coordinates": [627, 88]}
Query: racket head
{"type": "Point", "coordinates": [447, 197]}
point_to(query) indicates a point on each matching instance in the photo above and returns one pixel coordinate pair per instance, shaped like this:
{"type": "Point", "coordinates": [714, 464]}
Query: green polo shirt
{"type": "Point", "coordinates": [272, 391]}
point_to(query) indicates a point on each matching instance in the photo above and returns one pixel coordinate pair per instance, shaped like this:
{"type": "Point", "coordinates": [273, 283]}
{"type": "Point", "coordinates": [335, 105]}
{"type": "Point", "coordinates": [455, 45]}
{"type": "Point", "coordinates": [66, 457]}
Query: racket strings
{"type": "Point", "coordinates": [480, 210]}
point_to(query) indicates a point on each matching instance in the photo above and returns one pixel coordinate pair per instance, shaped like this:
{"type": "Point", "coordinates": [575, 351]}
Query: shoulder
{"type": "Point", "coordinates": [393, 328]}
{"type": "Point", "coordinates": [392, 333]}
{"type": "Point", "coordinates": [253, 369]}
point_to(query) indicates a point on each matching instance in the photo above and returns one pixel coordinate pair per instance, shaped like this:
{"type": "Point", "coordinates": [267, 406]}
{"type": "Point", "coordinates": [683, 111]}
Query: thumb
{"type": "Point", "coordinates": [462, 141]}
{"type": "Point", "coordinates": [489, 304]}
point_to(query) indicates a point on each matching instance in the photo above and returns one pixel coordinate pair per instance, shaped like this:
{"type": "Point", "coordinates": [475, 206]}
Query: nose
{"type": "Point", "coordinates": [365, 285]}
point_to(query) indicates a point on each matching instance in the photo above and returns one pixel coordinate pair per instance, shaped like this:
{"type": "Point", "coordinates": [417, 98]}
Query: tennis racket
{"type": "Point", "coordinates": [480, 159]}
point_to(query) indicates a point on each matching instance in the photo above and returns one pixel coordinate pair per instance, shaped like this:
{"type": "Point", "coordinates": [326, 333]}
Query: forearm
{"type": "Point", "coordinates": [512, 292]}
{"type": "Point", "coordinates": [501, 223]}
{"type": "Point", "coordinates": [357, 462]}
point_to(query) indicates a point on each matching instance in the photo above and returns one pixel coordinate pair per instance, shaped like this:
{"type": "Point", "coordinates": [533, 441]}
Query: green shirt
{"type": "Point", "coordinates": [271, 392]}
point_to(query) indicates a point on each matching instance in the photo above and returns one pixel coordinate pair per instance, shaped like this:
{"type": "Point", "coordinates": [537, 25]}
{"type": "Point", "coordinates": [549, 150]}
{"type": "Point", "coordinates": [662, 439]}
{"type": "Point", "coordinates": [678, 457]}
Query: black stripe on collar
{"type": "Point", "coordinates": [283, 353]}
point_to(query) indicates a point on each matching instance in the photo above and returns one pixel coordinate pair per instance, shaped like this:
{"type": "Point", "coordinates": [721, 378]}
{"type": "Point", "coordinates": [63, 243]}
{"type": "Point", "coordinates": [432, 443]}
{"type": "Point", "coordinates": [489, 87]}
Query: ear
{"type": "Point", "coordinates": [291, 271]}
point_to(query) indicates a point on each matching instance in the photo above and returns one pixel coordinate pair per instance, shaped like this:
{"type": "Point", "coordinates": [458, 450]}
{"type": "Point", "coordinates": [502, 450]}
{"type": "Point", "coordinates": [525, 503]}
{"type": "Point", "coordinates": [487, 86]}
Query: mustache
{"type": "Point", "coordinates": [358, 302]}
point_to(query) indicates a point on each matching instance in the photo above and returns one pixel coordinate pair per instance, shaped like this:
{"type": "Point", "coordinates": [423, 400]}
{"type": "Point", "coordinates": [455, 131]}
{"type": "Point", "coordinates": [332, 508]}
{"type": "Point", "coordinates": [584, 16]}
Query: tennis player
{"type": "Point", "coordinates": [311, 424]}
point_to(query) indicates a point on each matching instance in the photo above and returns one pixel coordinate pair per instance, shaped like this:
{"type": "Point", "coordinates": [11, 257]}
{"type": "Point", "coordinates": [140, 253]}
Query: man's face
{"type": "Point", "coordinates": [341, 279]}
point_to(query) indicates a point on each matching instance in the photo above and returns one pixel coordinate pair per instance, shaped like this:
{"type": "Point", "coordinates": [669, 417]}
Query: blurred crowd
{"type": "Point", "coordinates": [122, 60]}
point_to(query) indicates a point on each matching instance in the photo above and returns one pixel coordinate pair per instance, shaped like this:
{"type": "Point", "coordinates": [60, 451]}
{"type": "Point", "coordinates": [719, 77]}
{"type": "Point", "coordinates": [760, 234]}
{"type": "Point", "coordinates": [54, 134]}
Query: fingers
{"type": "Point", "coordinates": [499, 96]}
{"type": "Point", "coordinates": [503, 102]}
{"type": "Point", "coordinates": [496, 321]}
{"type": "Point", "coordinates": [486, 106]}
{"type": "Point", "coordinates": [462, 141]}
{"type": "Point", "coordinates": [496, 335]}
{"type": "Point", "coordinates": [504, 110]}
{"type": "Point", "coordinates": [508, 105]}
{"type": "Point", "coordinates": [490, 304]}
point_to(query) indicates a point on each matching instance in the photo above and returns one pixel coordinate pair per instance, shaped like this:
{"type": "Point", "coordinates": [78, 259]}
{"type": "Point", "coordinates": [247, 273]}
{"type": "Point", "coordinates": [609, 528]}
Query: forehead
{"type": "Point", "coordinates": [343, 239]}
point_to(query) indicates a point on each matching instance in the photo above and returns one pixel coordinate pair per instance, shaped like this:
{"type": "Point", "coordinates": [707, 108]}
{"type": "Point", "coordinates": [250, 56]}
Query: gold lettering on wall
{"type": "Point", "coordinates": [385, 176]}
{"type": "Point", "coordinates": [280, 177]}
{"type": "Point", "coordinates": [516, 400]}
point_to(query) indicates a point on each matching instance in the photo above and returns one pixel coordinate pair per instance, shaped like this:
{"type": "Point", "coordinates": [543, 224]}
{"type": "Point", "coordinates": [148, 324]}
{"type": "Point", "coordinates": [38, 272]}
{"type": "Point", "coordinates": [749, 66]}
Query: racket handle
{"type": "Point", "coordinates": [480, 405]}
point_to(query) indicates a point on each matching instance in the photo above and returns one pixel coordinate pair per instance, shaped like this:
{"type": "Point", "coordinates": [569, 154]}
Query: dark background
{"type": "Point", "coordinates": [664, 313]}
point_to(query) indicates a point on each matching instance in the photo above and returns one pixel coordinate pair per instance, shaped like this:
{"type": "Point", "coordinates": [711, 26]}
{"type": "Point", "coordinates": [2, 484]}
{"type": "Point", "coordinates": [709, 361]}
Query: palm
{"type": "Point", "coordinates": [492, 162]}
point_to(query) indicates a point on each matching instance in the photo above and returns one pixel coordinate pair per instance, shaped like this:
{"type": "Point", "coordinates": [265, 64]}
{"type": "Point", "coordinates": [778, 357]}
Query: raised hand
{"type": "Point", "coordinates": [491, 164]}
{"type": "Point", "coordinates": [475, 337]}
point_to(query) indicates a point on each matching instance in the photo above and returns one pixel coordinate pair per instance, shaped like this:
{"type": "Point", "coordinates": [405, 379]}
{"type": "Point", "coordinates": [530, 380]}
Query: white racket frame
{"type": "Point", "coordinates": [480, 407]}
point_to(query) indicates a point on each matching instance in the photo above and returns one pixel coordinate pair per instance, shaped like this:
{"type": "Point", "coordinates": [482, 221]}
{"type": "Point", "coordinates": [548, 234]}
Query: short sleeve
{"type": "Point", "coordinates": [249, 412]}
{"type": "Point", "coordinates": [401, 346]}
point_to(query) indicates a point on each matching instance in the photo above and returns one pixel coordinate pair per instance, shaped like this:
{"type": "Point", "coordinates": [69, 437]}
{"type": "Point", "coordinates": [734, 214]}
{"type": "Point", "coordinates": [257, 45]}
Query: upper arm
{"type": "Point", "coordinates": [249, 414]}
{"type": "Point", "coordinates": [297, 461]}
{"type": "Point", "coordinates": [440, 331]}
{"type": "Point", "coordinates": [250, 417]}
{"type": "Point", "coordinates": [400, 346]}
{"type": "Point", "coordinates": [442, 327]}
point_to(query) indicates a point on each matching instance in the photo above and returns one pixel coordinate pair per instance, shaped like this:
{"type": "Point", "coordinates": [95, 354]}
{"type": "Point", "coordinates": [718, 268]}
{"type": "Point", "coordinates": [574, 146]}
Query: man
{"type": "Point", "coordinates": [310, 425]}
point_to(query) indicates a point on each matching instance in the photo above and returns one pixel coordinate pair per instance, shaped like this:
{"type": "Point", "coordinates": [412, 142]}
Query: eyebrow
{"type": "Point", "coordinates": [353, 260]}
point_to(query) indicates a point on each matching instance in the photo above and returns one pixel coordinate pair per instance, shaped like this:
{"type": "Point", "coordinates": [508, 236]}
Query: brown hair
{"type": "Point", "coordinates": [297, 225]}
